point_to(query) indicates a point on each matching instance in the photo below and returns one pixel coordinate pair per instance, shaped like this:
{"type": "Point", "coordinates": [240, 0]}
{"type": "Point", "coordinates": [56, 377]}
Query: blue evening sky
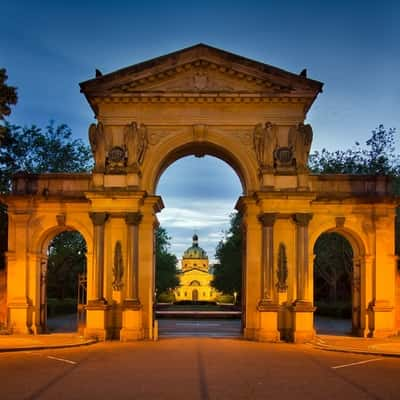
{"type": "Point", "coordinates": [48, 47]}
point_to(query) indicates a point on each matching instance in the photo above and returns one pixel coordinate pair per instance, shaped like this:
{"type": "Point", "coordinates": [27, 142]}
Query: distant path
{"type": "Point", "coordinates": [227, 328]}
{"type": "Point", "coordinates": [203, 327]}
{"type": "Point", "coordinates": [62, 323]}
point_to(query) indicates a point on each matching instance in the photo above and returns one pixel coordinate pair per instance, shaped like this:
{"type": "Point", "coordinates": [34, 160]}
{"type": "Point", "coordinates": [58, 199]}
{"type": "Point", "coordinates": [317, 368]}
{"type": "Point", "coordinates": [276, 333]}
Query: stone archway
{"type": "Point", "coordinates": [357, 278]}
{"type": "Point", "coordinates": [203, 100]}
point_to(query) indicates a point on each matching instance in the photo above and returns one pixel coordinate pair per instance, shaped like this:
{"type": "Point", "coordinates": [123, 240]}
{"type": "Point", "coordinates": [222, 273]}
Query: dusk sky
{"type": "Point", "coordinates": [48, 47]}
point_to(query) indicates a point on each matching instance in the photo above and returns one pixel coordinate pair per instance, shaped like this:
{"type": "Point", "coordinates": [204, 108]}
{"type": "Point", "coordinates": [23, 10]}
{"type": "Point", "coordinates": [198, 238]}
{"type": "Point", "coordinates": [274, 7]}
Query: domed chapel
{"type": "Point", "coordinates": [195, 277]}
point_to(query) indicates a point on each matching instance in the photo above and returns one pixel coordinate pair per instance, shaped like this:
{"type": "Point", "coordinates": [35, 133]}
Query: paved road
{"type": "Point", "coordinates": [204, 327]}
{"type": "Point", "coordinates": [232, 327]}
{"type": "Point", "coordinates": [196, 369]}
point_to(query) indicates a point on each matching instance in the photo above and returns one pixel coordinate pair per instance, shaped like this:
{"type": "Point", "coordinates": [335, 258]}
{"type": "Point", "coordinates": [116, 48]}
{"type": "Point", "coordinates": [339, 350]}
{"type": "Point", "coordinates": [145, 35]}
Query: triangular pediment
{"type": "Point", "coordinates": [201, 69]}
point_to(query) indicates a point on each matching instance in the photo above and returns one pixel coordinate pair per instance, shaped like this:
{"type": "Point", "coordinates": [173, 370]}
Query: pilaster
{"type": "Point", "coordinates": [132, 318]}
{"type": "Point", "coordinates": [19, 303]}
{"type": "Point", "coordinates": [267, 307]}
{"type": "Point", "coordinates": [302, 309]}
{"type": "Point", "coordinates": [97, 311]}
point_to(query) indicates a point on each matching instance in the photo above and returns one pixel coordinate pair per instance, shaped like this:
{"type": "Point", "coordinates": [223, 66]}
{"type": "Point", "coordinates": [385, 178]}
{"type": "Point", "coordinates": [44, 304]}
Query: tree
{"type": "Point", "coordinates": [8, 97]}
{"type": "Point", "coordinates": [228, 272]}
{"type": "Point", "coordinates": [66, 259]}
{"type": "Point", "coordinates": [166, 278]}
{"type": "Point", "coordinates": [377, 158]}
{"type": "Point", "coordinates": [333, 268]}
{"type": "Point", "coordinates": [35, 150]}
{"type": "Point", "coordinates": [333, 262]}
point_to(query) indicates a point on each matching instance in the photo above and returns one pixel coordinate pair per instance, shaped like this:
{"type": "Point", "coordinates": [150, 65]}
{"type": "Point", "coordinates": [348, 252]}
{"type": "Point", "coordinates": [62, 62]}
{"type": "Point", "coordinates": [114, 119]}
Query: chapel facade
{"type": "Point", "coordinates": [197, 101]}
{"type": "Point", "coordinates": [194, 276]}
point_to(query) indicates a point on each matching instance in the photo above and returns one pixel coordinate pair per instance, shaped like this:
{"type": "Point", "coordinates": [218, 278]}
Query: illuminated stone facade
{"type": "Point", "coordinates": [199, 101]}
{"type": "Point", "coordinates": [194, 276]}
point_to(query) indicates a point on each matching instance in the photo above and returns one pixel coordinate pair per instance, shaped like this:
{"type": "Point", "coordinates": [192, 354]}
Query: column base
{"type": "Point", "coordinates": [250, 333]}
{"type": "Point", "coordinates": [268, 322]}
{"type": "Point", "coordinates": [97, 321]}
{"type": "Point", "coordinates": [132, 324]}
{"type": "Point", "coordinates": [302, 329]}
{"type": "Point", "coordinates": [20, 317]}
{"type": "Point", "coordinates": [381, 319]}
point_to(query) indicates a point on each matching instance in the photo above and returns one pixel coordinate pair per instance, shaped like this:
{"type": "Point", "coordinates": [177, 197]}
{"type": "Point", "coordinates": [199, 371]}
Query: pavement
{"type": "Point", "coordinates": [332, 336]}
{"type": "Point", "coordinates": [40, 342]}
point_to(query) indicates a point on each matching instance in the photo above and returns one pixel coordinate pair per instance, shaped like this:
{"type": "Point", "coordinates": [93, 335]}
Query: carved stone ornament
{"type": "Point", "coordinates": [136, 143]}
{"type": "Point", "coordinates": [133, 218]}
{"type": "Point", "coordinates": [284, 156]}
{"type": "Point", "coordinates": [300, 140]}
{"type": "Point", "coordinates": [116, 161]}
{"type": "Point", "coordinates": [282, 272]}
{"type": "Point", "coordinates": [60, 219]}
{"type": "Point", "coordinates": [340, 222]}
{"type": "Point", "coordinates": [98, 146]}
{"type": "Point", "coordinates": [267, 219]}
{"type": "Point", "coordinates": [302, 219]}
{"type": "Point", "coordinates": [265, 141]}
{"type": "Point", "coordinates": [200, 80]}
{"type": "Point", "coordinates": [98, 218]}
{"type": "Point", "coordinates": [118, 269]}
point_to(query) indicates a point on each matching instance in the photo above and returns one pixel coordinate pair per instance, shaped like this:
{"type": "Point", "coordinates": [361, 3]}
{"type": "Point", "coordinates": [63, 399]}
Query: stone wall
{"type": "Point", "coordinates": [3, 298]}
{"type": "Point", "coordinates": [397, 305]}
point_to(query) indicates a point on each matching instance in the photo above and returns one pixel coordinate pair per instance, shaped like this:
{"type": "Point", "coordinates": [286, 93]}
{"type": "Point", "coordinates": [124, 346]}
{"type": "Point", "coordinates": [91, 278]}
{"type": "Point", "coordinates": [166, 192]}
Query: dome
{"type": "Point", "coordinates": [194, 251]}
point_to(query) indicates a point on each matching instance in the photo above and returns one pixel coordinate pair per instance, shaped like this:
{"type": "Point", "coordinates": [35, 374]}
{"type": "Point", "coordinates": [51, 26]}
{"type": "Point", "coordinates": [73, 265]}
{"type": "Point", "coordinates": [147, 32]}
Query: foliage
{"type": "Point", "coordinates": [8, 97]}
{"type": "Point", "coordinates": [228, 272]}
{"type": "Point", "coordinates": [377, 158]}
{"type": "Point", "coordinates": [226, 299]}
{"type": "Point", "coordinates": [61, 307]}
{"type": "Point", "coordinates": [333, 267]}
{"type": "Point", "coordinates": [166, 297]}
{"type": "Point", "coordinates": [34, 150]}
{"type": "Point", "coordinates": [166, 278]}
{"type": "Point", "coordinates": [333, 262]}
{"type": "Point", "coordinates": [66, 259]}
{"type": "Point", "coordinates": [339, 309]}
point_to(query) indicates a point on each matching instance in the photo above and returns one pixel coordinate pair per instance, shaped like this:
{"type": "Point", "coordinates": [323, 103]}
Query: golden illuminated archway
{"type": "Point", "coordinates": [203, 100]}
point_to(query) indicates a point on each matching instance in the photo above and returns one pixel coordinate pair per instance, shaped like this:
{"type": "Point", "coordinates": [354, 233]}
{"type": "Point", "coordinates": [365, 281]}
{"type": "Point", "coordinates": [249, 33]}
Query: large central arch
{"type": "Point", "coordinates": [182, 147]}
{"type": "Point", "coordinates": [203, 100]}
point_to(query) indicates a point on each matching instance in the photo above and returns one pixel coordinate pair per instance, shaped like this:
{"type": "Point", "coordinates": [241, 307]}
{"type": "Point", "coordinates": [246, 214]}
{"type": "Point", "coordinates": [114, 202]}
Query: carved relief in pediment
{"type": "Point", "coordinates": [190, 78]}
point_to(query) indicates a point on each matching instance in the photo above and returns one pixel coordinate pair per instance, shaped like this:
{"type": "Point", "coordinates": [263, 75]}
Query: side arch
{"type": "Point", "coordinates": [358, 275]}
{"type": "Point", "coordinates": [43, 236]}
{"type": "Point", "coordinates": [356, 240]}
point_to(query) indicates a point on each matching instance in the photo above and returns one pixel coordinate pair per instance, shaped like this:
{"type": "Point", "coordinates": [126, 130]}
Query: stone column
{"type": "Point", "coordinates": [302, 274]}
{"type": "Point", "coordinates": [267, 306]}
{"type": "Point", "coordinates": [97, 309]}
{"type": "Point", "coordinates": [132, 262]}
{"type": "Point", "coordinates": [302, 309]}
{"type": "Point", "coordinates": [267, 258]}
{"type": "Point", "coordinates": [98, 219]}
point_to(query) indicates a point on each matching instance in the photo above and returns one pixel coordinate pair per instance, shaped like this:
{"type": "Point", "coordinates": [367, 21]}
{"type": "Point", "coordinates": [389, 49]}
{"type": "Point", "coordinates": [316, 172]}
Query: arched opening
{"type": "Point", "coordinates": [199, 196]}
{"type": "Point", "coordinates": [337, 284]}
{"type": "Point", "coordinates": [63, 282]}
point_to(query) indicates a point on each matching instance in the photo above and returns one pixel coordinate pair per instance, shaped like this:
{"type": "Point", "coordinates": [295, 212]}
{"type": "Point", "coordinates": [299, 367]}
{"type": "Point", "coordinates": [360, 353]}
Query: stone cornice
{"type": "Point", "coordinates": [195, 57]}
{"type": "Point", "coordinates": [190, 97]}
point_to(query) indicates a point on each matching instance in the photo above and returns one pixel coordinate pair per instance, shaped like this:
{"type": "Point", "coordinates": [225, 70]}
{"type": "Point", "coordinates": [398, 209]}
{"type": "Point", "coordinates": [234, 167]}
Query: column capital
{"type": "Point", "coordinates": [98, 218]}
{"type": "Point", "coordinates": [267, 219]}
{"type": "Point", "coordinates": [133, 218]}
{"type": "Point", "coordinates": [302, 219]}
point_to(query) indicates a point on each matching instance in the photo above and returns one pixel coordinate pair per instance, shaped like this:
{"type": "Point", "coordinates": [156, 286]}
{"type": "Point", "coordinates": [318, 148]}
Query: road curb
{"type": "Point", "coordinates": [46, 346]}
{"type": "Point", "coordinates": [356, 351]}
